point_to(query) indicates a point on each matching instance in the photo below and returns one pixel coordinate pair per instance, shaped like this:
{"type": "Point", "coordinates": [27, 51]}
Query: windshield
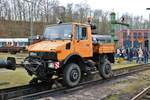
{"type": "Point", "coordinates": [58, 32]}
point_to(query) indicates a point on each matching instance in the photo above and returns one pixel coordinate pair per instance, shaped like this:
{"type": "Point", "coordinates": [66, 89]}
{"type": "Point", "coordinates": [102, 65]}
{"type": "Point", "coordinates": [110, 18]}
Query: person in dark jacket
{"type": "Point", "coordinates": [130, 54]}
{"type": "Point", "coordinates": [145, 55]}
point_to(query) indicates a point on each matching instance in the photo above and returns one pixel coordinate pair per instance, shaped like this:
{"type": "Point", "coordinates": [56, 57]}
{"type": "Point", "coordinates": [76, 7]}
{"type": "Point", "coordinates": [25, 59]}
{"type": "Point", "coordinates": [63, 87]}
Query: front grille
{"type": "Point", "coordinates": [47, 55]}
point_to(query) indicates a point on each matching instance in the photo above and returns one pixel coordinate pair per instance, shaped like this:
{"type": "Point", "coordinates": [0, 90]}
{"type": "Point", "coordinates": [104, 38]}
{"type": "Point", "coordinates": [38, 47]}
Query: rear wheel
{"type": "Point", "coordinates": [105, 70]}
{"type": "Point", "coordinates": [72, 75]}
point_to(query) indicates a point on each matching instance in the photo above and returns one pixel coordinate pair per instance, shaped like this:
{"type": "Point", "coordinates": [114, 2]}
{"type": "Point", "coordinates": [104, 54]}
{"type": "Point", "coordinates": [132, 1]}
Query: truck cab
{"type": "Point", "coordinates": [67, 51]}
{"type": "Point", "coordinates": [65, 39]}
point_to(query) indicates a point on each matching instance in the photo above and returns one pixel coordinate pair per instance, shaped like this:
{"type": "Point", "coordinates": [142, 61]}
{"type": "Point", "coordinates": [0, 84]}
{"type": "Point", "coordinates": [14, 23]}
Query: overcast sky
{"type": "Point", "coordinates": [133, 7]}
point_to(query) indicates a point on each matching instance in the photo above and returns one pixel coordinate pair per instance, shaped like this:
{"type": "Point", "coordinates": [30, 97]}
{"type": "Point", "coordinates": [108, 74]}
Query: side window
{"type": "Point", "coordinates": [81, 33]}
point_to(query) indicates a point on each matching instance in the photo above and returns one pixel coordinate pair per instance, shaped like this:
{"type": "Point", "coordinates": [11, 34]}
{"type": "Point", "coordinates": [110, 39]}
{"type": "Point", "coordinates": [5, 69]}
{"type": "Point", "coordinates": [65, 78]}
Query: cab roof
{"type": "Point", "coordinates": [75, 23]}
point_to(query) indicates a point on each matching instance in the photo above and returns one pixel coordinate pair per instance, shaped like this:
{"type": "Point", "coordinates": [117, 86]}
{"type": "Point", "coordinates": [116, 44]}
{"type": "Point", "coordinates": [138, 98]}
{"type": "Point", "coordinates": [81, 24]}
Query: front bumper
{"type": "Point", "coordinates": [40, 68]}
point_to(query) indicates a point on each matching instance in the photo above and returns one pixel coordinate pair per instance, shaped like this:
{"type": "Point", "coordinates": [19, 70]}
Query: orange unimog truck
{"type": "Point", "coordinates": [71, 52]}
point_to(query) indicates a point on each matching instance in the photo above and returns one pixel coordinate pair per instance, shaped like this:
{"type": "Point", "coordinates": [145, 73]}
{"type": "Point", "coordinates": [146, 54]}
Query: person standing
{"type": "Point", "coordinates": [130, 54]}
{"type": "Point", "coordinates": [140, 54]}
{"type": "Point", "coordinates": [118, 53]}
{"type": "Point", "coordinates": [136, 55]}
{"type": "Point", "coordinates": [145, 54]}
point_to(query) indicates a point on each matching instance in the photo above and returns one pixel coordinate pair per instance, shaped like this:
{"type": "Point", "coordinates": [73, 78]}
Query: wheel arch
{"type": "Point", "coordinates": [109, 57]}
{"type": "Point", "coordinates": [74, 58]}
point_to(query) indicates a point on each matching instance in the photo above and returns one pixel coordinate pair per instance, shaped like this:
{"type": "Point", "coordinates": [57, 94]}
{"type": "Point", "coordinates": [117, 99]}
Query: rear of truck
{"type": "Point", "coordinates": [103, 46]}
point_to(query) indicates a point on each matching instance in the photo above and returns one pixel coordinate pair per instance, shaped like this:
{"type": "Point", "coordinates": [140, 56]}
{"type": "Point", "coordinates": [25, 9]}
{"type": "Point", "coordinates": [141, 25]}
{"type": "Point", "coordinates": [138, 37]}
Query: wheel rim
{"type": "Point", "coordinates": [74, 75]}
{"type": "Point", "coordinates": [107, 69]}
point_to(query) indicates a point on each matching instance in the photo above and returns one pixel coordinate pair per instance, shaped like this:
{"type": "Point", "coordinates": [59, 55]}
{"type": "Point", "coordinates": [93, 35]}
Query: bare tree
{"type": "Point", "coordinates": [101, 20]}
{"type": "Point", "coordinates": [82, 10]}
{"type": "Point", "coordinates": [69, 12]}
{"type": "Point", "coordinates": [15, 16]}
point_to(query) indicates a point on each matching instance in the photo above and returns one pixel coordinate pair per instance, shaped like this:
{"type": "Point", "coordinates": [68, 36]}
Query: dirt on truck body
{"type": "Point", "coordinates": [70, 51]}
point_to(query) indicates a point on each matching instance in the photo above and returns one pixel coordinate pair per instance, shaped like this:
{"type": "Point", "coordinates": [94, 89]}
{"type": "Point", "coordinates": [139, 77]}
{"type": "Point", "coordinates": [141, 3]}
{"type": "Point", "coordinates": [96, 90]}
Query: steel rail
{"type": "Point", "coordinates": [43, 90]}
{"type": "Point", "coordinates": [143, 95]}
{"type": "Point", "coordinates": [80, 86]}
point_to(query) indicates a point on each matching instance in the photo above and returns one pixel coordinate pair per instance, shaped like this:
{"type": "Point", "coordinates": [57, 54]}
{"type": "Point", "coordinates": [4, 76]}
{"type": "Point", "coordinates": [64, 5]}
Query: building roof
{"type": "Point", "coordinates": [14, 39]}
{"type": "Point", "coordinates": [135, 30]}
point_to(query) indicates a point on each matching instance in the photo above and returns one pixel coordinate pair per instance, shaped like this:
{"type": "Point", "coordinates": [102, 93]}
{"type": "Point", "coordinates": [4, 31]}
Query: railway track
{"type": "Point", "coordinates": [143, 95]}
{"type": "Point", "coordinates": [40, 90]}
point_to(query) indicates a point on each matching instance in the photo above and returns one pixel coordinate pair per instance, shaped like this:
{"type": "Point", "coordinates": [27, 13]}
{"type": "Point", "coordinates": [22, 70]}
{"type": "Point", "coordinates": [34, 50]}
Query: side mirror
{"type": "Point", "coordinates": [38, 37]}
{"type": "Point", "coordinates": [78, 40]}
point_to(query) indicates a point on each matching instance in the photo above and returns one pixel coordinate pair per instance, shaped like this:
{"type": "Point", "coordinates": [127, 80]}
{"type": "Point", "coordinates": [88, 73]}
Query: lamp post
{"type": "Point", "coordinates": [148, 32]}
{"type": "Point", "coordinates": [114, 22]}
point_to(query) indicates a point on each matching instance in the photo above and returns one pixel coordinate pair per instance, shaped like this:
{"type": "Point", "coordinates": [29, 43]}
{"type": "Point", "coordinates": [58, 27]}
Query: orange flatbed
{"type": "Point", "coordinates": [104, 48]}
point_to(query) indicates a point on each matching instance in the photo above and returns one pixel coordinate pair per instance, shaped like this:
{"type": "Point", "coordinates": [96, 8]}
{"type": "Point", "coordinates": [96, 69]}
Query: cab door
{"type": "Point", "coordinates": [83, 41]}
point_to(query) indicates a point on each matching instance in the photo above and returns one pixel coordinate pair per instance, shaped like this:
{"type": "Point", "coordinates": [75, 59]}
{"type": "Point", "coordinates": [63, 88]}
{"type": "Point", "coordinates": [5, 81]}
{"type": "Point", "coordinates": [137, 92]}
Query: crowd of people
{"type": "Point", "coordinates": [138, 54]}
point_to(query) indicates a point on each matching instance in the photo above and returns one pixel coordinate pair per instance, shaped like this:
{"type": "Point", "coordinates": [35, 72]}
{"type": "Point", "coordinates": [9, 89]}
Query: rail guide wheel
{"type": "Point", "coordinates": [72, 75]}
{"type": "Point", "coordinates": [105, 70]}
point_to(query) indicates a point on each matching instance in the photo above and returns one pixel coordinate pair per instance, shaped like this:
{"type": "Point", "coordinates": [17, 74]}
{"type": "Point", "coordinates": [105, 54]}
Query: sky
{"type": "Point", "coordinates": [133, 7]}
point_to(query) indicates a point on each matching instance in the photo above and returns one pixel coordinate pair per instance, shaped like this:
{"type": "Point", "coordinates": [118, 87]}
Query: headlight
{"type": "Point", "coordinates": [51, 65]}
{"type": "Point", "coordinates": [33, 54]}
{"type": "Point", "coordinates": [54, 65]}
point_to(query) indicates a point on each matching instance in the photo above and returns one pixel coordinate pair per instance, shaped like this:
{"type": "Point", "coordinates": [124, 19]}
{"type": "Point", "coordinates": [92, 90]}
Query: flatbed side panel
{"type": "Point", "coordinates": [104, 48]}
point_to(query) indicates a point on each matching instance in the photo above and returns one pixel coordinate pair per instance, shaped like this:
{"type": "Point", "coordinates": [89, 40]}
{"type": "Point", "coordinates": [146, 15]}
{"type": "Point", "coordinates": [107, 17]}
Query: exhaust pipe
{"type": "Point", "coordinates": [10, 63]}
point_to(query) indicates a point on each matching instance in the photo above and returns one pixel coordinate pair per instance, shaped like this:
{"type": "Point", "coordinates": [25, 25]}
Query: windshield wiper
{"type": "Point", "coordinates": [58, 38]}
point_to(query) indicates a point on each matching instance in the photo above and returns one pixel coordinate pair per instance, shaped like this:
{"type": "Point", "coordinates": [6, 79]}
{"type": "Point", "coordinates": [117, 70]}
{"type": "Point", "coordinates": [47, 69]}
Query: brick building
{"type": "Point", "coordinates": [133, 38]}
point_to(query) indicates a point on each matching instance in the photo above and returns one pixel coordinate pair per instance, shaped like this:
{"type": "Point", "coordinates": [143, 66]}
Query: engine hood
{"type": "Point", "coordinates": [47, 46]}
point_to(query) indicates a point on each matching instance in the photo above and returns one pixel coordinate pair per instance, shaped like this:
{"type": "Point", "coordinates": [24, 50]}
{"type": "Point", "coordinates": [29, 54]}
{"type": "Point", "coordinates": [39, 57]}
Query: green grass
{"type": "Point", "coordinates": [117, 66]}
{"type": "Point", "coordinates": [10, 78]}
{"type": "Point", "coordinates": [129, 86]}
{"type": "Point", "coordinates": [112, 97]}
{"type": "Point", "coordinates": [125, 64]}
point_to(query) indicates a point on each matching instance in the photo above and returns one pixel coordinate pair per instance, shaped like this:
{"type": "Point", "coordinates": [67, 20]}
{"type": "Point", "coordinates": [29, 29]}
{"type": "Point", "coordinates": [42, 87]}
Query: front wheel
{"type": "Point", "coordinates": [72, 75]}
{"type": "Point", "coordinates": [105, 70]}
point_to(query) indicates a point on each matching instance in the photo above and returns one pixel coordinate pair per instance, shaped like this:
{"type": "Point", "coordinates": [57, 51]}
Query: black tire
{"type": "Point", "coordinates": [105, 70]}
{"type": "Point", "coordinates": [11, 61]}
{"type": "Point", "coordinates": [72, 75]}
